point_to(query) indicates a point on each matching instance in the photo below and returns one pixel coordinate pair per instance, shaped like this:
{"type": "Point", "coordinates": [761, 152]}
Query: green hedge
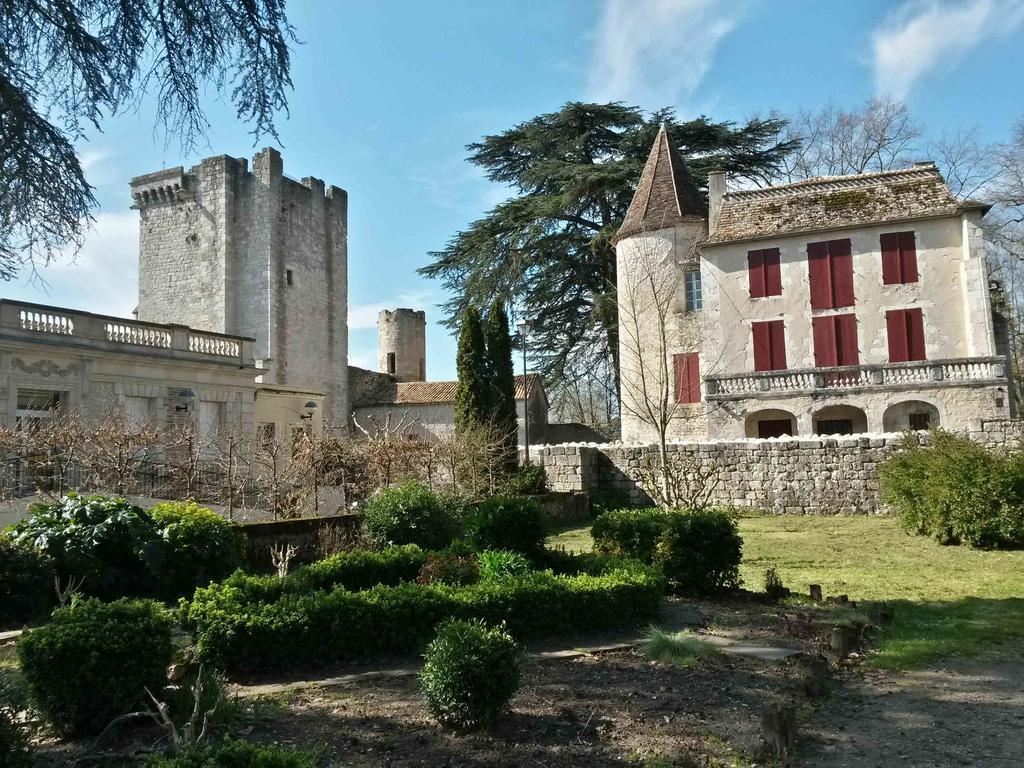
{"type": "Point", "coordinates": [699, 552]}
{"type": "Point", "coordinates": [630, 532]}
{"type": "Point", "coordinates": [94, 661]}
{"type": "Point", "coordinates": [515, 524]}
{"type": "Point", "coordinates": [242, 633]}
{"type": "Point", "coordinates": [957, 491]}
{"type": "Point", "coordinates": [356, 570]}
{"type": "Point", "coordinates": [26, 583]}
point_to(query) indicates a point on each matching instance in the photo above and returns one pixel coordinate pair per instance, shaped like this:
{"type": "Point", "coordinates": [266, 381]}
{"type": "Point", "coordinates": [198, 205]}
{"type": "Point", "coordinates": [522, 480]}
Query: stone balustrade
{"type": "Point", "coordinates": [71, 326]}
{"type": "Point", "coordinates": [810, 380]}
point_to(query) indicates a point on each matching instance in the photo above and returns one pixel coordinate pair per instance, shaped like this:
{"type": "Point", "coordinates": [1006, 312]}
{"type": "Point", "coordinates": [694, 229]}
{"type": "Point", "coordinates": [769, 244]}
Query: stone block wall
{"type": "Point", "coordinates": [820, 476]}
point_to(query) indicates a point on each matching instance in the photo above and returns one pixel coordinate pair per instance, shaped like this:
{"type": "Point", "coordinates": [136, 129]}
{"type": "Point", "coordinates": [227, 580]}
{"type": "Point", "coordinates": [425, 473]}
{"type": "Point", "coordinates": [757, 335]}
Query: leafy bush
{"type": "Point", "coordinates": [409, 514]}
{"type": "Point", "coordinates": [234, 753]}
{"type": "Point", "coordinates": [957, 491]}
{"type": "Point", "coordinates": [528, 480]}
{"type": "Point", "coordinates": [470, 673]}
{"type": "Point", "coordinates": [457, 570]}
{"type": "Point", "coordinates": [699, 551]}
{"type": "Point", "coordinates": [503, 564]}
{"type": "Point", "coordinates": [630, 532]}
{"type": "Point", "coordinates": [518, 525]}
{"type": "Point", "coordinates": [203, 546]}
{"type": "Point", "coordinates": [233, 628]}
{"type": "Point", "coordinates": [94, 661]}
{"type": "Point", "coordinates": [14, 748]}
{"type": "Point", "coordinates": [111, 543]}
{"type": "Point", "coordinates": [26, 582]}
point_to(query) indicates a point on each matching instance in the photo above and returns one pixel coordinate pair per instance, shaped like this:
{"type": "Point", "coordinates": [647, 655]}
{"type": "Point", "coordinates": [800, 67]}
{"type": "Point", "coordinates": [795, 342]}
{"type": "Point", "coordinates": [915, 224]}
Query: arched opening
{"type": "Point", "coordinates": [840, 420]}
{"type": "Point", "coordinates": [770, 422]}
{"type": "Point", "coordinates": [910, 415]}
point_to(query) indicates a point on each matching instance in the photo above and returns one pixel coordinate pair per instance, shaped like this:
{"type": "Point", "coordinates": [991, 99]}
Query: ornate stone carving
{"type": "Point", "coordinates": [44, 368]}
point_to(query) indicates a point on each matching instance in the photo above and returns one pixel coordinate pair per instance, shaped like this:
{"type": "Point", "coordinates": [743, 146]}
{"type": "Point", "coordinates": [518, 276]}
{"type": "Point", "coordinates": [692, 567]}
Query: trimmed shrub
{"type": "Point", "coordinates": [94, 661]}
{"type": "Point", "coordinates": [234, 753]}
{"type": "Point", "coordinates": [629, 532]}
{"type": "Point", "coordinates": [503, 564]}
{"type": "Point", "coordinates": [409, 514]}
{"type": "Point", "coordinates": [699, 552]}
{"type": "Point", "coordinates": [957, 491]}
{"type": "Point", "coordinates": [14, 747]}
{"type": "Point", "coordinates": [470, 674]}
{"type": "Point", "coordinates": [111, 543]}
{"type": "Point", "coordinates": [244, 633]}
{"type": "Point", "coordinates": [518, 525]}
{"type": "Point", "coordinates": [528, 480]}
{"type": "Point", "coordinates": [203, 547]}
{"type": "Point", "coordinates": [355, 570]}
{"type": "Point", "coordinates": [26, 582]}
{"type": "Point", "coordinates": [456, 570]}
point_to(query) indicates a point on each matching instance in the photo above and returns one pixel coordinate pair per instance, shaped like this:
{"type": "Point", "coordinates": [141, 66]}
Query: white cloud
{"type": "Point", "coordinates": [926, 35]}
{"type": "Point", "coordinates": [656, 52]}
{"type": "Point", "coordinates": [102, 279]}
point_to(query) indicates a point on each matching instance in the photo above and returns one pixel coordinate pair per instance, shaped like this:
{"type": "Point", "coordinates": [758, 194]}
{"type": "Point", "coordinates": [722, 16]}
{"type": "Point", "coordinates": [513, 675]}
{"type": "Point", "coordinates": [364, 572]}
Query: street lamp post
{"type": "Point", "coordinates": [525, 326]}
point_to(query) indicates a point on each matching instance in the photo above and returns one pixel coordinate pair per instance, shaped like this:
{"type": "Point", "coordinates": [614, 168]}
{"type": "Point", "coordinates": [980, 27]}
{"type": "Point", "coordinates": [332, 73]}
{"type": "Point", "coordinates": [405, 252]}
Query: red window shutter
{"type": "Point", "coordinates": [824, 332]}
{"type": "Point", "coordinates": [908, 257]}
{"type": "Point", "coordinates": [890, 243]}
{"type": "Point", "coordinates": [762, 347]}
{"type": "Point", "coordinates": [777, 335]}
{"type": "Point", "coordinates": [896, 329]}
{"type": "Point", "coordinates": [693, 377]}
{"type": "Point", "coordinates": [755, 269]}
{"type": "Point", "coordinates": [848, 352]}
{"type": "Point", "coordinates": [679, 371]}
{"type": "Point", "coordinates": [915, 334]}
{"type": "Point", "coordinates": [841, 258]}
{"type": "Point", "coordinates": [772, 272]}
{"type": "Point", "coordinates": [819, 273]}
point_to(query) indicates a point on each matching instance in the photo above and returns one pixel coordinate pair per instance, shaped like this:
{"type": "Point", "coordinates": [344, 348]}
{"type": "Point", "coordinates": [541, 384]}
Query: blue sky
{"type": "Point", "coordinates": [387, 95]}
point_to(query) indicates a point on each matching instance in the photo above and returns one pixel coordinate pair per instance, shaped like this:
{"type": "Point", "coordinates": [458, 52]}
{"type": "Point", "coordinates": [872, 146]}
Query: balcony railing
{"type": "Point", "coordinates": [917, 374]}
{"type": "Point", "coordinates": [24, 320]}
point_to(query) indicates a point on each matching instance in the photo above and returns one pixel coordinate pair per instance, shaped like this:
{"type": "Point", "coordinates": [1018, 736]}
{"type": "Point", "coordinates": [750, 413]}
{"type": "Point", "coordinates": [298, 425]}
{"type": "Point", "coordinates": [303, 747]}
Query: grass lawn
{"type": "Point", "coordinates": [949, 600]}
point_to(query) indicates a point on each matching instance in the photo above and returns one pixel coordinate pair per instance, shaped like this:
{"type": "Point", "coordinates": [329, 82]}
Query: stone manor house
{"type": "Point", "coordinates": [835, 305]}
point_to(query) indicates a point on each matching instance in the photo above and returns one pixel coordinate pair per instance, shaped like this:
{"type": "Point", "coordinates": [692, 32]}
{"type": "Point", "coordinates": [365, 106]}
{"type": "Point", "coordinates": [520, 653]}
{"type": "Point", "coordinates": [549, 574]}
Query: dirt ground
{"type": "Point", "coordinates": [959, 713]}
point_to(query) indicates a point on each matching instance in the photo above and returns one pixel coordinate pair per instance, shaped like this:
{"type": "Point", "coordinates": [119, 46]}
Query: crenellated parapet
{"type": "Point", "coordinates": [167, 186]}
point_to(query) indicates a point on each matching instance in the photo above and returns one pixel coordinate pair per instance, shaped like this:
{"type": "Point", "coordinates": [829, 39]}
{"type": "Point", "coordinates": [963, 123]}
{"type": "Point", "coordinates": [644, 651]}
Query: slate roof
{"type": "Point", "coordinates": [837, 202]}
{"type": "Point", "coordinates": [438, 392]}
{"type": "Point", "coordinates": [666, 194]}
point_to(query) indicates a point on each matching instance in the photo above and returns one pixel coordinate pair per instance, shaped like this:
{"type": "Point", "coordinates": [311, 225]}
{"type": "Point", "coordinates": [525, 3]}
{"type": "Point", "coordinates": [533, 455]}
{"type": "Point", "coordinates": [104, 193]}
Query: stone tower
{"type": "Point", "coordinates": [402, 343]}
{"type": "Point", "coordinates": [658, 277]}
{"type": "Point", "coordinates": [252, 253]}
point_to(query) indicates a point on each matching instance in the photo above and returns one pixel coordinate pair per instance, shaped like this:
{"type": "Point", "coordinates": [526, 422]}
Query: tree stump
{"type": "Point", "coordinates": [778, 730]}
{"type": "Point", "coordinates": [816, 592]}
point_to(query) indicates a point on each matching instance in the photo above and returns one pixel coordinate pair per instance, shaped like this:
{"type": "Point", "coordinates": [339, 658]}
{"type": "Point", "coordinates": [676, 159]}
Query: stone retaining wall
{"type": "Point", "coordinates": [809, 475]}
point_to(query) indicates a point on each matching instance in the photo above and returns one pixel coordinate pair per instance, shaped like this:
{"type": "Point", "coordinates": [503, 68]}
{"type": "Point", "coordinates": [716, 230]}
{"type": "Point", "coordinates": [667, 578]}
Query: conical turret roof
{"type": "Point", "coordinates": [666, 194]}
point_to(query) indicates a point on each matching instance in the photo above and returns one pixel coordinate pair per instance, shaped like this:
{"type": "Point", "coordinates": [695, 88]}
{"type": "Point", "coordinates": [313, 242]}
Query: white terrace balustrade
{"type": "Point", "coordinates": [923, 373]}
{"type": "Point", "coordinates": [34, 321]}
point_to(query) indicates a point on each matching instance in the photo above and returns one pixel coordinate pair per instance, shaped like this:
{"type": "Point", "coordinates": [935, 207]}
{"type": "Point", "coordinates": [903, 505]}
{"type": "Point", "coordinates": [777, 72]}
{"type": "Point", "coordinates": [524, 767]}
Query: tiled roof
{"type": "Point", "coordinates": [836, 202]}
{"type": "Point", "coordinates": [431, 392]}
{"type": "Point", "coordinates": [666, 194]}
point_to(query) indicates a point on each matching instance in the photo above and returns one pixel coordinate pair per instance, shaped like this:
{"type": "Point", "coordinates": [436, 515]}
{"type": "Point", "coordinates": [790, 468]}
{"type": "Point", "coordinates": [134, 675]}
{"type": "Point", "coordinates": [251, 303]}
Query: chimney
{"type": "Point", "coordinates": [716, 191]}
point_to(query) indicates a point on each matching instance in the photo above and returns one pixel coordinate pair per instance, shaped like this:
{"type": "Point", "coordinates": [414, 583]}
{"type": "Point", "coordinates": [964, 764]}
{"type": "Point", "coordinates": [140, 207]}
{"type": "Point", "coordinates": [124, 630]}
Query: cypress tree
{"type": "Point", "coordinates": [473, 396]}
{"type": "Point", "coordinates": [502, 380]}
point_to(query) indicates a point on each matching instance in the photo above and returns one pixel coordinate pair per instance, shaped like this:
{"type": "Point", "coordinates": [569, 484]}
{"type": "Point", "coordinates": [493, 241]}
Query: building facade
{"type": "Point", "coordinates": [54, 360]}
{"type": "Point", "coordinates": [836, 305]}
{"type": "Point", "coordinates": [252, 253]}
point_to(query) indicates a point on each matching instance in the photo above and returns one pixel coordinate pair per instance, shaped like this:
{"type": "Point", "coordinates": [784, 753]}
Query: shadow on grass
{"type": "Point", "coordinates": [924, 632]}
